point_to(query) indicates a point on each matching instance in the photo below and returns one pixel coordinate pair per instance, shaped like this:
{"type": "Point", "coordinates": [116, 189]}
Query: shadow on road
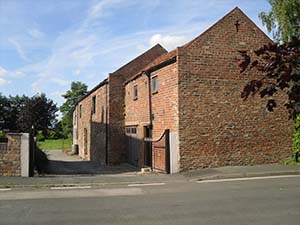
{"type": "Point", "coordinates": [84, 167]}
{"type": "Point", "coordinates": [59, 162]}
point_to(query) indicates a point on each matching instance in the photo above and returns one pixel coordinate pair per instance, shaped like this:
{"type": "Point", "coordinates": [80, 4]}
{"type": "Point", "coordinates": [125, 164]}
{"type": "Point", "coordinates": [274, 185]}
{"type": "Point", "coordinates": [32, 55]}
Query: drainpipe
{"type": "Point", "coordinates": [147, 73]}
{"type": "Point", "coordinates": [77, 125]}
{"type": "Point", "coordinates": [106, 124]}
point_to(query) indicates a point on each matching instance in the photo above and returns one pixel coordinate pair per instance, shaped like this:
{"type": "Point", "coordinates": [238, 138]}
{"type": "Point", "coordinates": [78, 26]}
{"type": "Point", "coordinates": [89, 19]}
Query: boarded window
{"type": "Point", "coordinates": [135, 92]}
{"type": "Point", "coordinates": [154, 84]}
{"type": "Point", "coordinates": [94, 105]}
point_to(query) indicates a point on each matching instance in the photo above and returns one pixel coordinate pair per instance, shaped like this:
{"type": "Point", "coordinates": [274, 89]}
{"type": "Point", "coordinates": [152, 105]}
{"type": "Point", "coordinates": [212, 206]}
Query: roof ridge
{"type": "Point", "coordinates": [160, 59]}
{"type": "Point", "coordinates": [139, 56]}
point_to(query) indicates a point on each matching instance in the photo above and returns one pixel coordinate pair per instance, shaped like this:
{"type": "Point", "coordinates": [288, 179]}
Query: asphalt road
{"type": "Point", "coordinates": [249, 202]}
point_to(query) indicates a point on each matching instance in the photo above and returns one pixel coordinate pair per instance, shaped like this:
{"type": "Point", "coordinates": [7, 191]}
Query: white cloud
{"type": "Point", "coordinates": [60, 82]}
{"type": "Point", "coordinates": [168, 41]}
{"type": "Point", "coordinates": [77, 72]}
{"type": "Point", "coordinates": [4, 82]}
{"type": "Point", "coordinates": [99, 9]}
{"type": "Point", "coordinates": [35, 33]}
{"type": "Point", "coordinates": [19, 49]}
{"type": "Point", "coordinates": [6, 73]}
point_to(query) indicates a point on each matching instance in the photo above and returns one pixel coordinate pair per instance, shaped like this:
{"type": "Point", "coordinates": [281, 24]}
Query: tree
{"type": "Point", "coordinates": [283, 20]}
{"type": "Point", "coordinates": [280, 66]}
{"type": "Point", "coordinates": [17, 103]}
{"type": "Point", "coordinates": [5, 116]}
{"type": "Point", "coordinates": [38, 111]}
{"type": "Point", "coordinates": [278, 62]}
{"type": "Point", "coordinates": [72, 96]}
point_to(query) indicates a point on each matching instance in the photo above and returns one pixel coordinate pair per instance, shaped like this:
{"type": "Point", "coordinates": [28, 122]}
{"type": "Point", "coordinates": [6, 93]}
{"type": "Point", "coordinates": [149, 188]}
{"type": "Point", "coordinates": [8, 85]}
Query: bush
{"type": "Point", "coordinates": [2, 134]}
{"type": "Point", "coordinates": [296, 139]}
{"type": "Point", "coordinates": [40, 136]}
{"type": "Point", "coordinates": [52, 135]}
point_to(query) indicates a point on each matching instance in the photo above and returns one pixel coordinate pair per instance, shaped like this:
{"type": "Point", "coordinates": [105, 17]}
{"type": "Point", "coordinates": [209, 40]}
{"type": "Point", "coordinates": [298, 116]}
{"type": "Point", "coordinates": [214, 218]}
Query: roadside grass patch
{"type": "Point", "coordinates": [55, 144]}
{"type": "Point", "coordinates": [291, 161]}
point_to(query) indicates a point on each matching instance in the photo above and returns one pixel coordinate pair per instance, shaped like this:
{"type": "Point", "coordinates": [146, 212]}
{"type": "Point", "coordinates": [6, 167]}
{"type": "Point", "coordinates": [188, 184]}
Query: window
{"type": "Point", "coordinates": [80, 111]}
{"type": "Point", "coordinates": [131, 130]}
{"type": "Point", "coordinates": [94, 105]}
{"type": "Point", "coordinates": [135, 92]}
{"type": "Point", "coordinates": [154, 84]}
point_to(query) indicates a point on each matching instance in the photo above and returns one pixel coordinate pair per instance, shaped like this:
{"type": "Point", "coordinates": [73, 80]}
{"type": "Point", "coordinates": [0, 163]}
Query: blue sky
{"type": "Point", "coordinates": [45, 45]}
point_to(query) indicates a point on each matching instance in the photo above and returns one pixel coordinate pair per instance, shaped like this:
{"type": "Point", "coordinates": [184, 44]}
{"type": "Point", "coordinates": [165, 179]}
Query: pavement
{"type": "Point", "coordinates": [134, 177]}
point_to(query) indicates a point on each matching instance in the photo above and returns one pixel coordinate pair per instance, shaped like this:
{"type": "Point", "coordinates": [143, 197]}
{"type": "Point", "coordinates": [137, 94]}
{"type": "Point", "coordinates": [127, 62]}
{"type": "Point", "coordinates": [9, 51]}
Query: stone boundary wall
{"type": "Point", "coordinates": [14, 155]}
{"type": "Point", "coordinates": [10, 157]}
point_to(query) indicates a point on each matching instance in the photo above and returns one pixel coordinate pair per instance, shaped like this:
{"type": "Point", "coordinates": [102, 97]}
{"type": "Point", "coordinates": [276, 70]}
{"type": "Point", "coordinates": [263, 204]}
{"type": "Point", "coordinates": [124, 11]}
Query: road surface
{"type": "Point", "coordinates": [262, 202]}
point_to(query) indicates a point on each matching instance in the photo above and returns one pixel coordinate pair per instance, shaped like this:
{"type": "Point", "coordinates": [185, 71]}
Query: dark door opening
{"type": "Point", "coordinates": [85, 141]}
{"type": "Point", "coordinates": [132, 144]}
{"type": "Point", "coordinates": [147, 147]}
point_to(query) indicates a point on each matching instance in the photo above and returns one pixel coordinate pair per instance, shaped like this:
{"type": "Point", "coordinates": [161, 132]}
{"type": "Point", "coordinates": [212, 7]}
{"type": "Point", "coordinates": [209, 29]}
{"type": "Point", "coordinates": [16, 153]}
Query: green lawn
{"type": "Point", "coordinates": [55, 144]}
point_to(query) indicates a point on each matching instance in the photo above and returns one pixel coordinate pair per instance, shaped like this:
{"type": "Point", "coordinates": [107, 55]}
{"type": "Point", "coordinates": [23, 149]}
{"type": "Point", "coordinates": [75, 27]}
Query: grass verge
{"type": "Point", "coordinates": [55, 144]}
{"type": "Point", "coordinates": [291, 161]}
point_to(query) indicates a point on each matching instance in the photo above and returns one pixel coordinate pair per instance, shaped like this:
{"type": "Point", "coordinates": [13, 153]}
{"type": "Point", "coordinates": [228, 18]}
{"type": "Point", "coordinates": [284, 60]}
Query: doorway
{"type": "Point", "coordinates": [147, 147]}
{"type": "Point", "coordinates": [132, 145]}
{"type": "Point", "coordinates": [85, 141]}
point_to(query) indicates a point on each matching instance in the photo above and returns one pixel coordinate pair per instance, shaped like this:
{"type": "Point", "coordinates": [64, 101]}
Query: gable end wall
{"type": "Point", "coordinates": [216, 127]}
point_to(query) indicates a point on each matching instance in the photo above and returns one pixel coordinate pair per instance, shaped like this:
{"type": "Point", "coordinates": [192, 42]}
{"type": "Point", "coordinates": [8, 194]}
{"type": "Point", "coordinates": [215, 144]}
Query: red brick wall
{"type": "Point", "coordinates": [164, 107]}
{"type": "Point", "coordinates": [137, 110]}
{"type": "Point", "coordinates": [95, 123]}
{"type": "Point", "coordinates": [117, 152]}
{"type": "Point", "coordinates": [10, 159]}
{"type": "Point", "coordinates": [216, 127]}
{"type": "Point", "coordinates": [99, 125]}
{"type": "Point", "coordinates": [116, 118]}
{"type": "Point", "coordinates": [165, 101]}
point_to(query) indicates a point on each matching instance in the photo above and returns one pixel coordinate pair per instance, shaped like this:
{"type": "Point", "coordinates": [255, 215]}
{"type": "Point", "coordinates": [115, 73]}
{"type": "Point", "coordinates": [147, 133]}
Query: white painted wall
{"type": "Point", "coordinates": [25, 155]}
{"type": "Point", "coordinates": [174, 152]}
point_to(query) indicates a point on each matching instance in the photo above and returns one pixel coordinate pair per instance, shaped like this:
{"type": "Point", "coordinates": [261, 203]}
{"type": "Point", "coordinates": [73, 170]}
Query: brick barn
{"type": "Point", "coordinates": [183, 109]}
{"type": "Point", "coordinates": [98, 118]}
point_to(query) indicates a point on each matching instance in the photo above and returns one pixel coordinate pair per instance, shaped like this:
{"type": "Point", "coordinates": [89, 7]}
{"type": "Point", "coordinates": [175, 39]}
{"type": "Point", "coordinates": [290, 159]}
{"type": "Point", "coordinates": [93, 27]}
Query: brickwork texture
{"type": "Point", "coordinates": [10, 158]}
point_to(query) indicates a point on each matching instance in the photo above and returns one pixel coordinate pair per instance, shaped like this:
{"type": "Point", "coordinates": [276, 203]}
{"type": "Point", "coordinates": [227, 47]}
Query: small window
{"type": "Point", "coordinates": [135, 92]}
{"type": "Point", "coordinates": [80, 111]}
{"type": "Point", "coordinates": [154, 85]}
{"type": "Point", "coordinates": [94, 105]}
{"type": "Point", "coordinates": [131, 130]}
